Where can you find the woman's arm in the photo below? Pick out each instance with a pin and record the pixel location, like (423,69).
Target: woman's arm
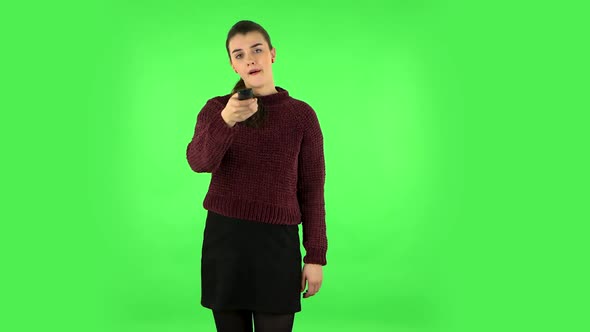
(212,137)
(310,191)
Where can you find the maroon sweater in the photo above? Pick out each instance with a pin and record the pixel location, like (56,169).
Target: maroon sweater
(273,174)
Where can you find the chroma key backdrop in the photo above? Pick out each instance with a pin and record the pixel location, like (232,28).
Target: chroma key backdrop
(455,161)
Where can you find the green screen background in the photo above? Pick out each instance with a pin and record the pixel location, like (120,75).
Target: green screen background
(456,160)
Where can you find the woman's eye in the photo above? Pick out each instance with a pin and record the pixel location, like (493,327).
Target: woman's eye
(258,49)
(238,56)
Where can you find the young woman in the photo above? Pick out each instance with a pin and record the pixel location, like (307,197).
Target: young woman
(266,158)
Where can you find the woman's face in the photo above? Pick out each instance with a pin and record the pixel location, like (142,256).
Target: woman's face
(250,53)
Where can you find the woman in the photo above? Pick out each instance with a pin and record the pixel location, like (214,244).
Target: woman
(267,163)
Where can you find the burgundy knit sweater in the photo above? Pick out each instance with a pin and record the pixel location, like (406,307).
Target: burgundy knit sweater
(273,174)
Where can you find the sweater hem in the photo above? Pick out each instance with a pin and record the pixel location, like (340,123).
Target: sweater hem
(252,210)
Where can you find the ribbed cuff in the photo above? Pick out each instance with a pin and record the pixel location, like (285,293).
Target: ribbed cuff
(315,256)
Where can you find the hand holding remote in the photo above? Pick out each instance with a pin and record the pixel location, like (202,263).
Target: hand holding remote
(238,110)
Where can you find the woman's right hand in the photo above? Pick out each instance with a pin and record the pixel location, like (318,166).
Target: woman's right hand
(238,110)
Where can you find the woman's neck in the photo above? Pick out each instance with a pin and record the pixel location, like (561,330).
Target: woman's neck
(265,90)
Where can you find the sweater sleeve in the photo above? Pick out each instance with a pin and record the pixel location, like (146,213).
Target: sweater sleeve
(211,139)
(310,191)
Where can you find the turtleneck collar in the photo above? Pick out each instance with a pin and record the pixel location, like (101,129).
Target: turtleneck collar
(274,99)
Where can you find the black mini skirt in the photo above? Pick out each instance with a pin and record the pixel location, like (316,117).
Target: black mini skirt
(250,265)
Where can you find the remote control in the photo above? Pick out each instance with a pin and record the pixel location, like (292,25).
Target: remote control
(245,94)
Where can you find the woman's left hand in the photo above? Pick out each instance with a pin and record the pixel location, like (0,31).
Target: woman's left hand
(313,274)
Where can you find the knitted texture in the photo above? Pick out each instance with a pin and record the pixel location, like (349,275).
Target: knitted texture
(273,174)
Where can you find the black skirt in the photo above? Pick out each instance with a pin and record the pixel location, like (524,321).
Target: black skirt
(250,265)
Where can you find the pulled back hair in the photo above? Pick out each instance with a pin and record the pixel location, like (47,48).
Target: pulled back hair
(243,27)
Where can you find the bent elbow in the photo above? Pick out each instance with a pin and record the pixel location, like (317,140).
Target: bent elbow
(199,166)
(195,159)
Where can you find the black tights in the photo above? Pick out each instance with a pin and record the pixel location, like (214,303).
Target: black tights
(241,321)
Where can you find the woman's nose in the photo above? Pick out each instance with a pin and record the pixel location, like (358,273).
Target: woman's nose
(249,59)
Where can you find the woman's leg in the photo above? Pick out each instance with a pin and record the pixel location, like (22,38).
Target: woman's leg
(270,322)
(233,321)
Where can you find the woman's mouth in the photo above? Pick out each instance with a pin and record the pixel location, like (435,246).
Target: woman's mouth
(256,72)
